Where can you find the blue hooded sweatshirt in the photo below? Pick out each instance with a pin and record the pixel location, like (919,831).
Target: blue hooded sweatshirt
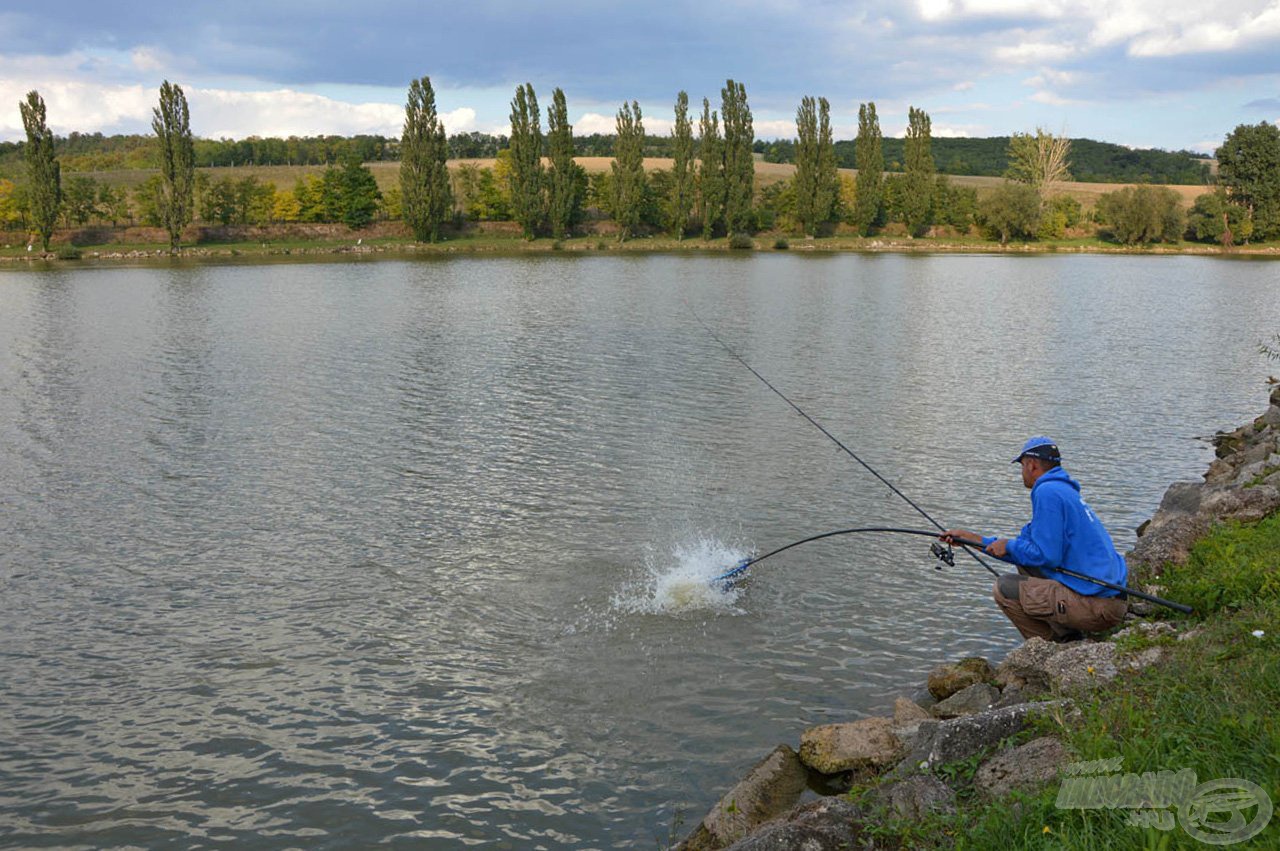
(1065,533)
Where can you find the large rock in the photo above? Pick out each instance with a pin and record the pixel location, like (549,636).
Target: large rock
(830,824)
(1024,767)
(917,796)
(863,745)
(946,680)
(907,712)
(771,788)
(968,701)
(1168,542)
(1247,505)
(1044,666)
(960,738)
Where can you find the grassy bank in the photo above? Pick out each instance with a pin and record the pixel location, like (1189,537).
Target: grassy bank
(269,243)
(1210,707)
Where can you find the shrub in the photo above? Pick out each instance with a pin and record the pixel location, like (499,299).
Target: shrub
(781,244)
(741,242)
(1142,215)
(1012,211)
(67,252)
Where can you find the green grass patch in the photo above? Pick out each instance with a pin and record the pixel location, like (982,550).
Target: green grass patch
(1232,567)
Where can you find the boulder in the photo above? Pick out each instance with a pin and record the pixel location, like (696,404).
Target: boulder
(907,712)
(1179,498)
(1170,541)
(1247,505)
(946,680)
(1025,767)
(771,788)
(1011,696)
(863,745)
(1044,666)
(917,796)
(968,701)
(960,738)
(828,824)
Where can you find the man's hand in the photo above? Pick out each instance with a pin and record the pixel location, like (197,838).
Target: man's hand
(961,536)
(999,547)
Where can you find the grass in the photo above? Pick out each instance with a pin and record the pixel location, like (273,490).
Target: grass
(1209,707)
(385,238)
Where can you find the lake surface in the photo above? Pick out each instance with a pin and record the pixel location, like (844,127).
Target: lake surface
(414,553)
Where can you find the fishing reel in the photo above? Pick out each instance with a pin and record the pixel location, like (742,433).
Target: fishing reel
(946,555)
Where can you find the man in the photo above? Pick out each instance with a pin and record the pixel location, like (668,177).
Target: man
(1064,533)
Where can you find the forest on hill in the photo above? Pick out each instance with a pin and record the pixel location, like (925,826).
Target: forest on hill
(1091,161)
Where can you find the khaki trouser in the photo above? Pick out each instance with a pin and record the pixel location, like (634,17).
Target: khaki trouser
(1050,610)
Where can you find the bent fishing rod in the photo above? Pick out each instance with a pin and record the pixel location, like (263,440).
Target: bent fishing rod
(943,554)
(740,359)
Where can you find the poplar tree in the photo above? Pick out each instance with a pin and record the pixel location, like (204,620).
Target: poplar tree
(869,154)
(564,193)
(917,185)
(44,175)
(710,170)
(526,160)
(816,183)
(739,162)
(425,191)
(171,122)
(628,170)
(680,204)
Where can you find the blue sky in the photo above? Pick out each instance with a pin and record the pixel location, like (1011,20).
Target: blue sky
(1174,75)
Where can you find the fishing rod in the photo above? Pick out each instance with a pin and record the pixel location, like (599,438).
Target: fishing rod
(831,436)
(943,554)
(727,579)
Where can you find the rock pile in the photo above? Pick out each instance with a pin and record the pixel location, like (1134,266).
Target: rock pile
(978,708)
(1242,483)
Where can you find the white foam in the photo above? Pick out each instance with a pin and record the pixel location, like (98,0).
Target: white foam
(680,581)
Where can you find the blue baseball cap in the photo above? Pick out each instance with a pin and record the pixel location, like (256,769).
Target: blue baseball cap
(1040,447)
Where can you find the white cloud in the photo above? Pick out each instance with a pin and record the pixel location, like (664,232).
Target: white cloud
(594,122)
(777,129)
(1028,52)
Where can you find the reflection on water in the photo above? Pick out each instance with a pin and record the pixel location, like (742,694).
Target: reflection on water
(350,553)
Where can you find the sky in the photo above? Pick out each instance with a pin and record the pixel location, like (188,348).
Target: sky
(1174,74)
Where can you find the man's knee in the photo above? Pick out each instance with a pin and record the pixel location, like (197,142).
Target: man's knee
(1007,585)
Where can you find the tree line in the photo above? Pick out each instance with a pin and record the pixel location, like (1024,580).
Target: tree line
(709,190)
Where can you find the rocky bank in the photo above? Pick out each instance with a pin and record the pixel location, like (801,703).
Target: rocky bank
(971,708)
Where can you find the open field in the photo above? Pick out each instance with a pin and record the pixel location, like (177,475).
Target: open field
(387,175)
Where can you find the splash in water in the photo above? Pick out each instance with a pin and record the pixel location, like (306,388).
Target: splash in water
(680,581)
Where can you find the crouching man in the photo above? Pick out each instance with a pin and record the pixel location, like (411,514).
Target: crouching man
(1064,533)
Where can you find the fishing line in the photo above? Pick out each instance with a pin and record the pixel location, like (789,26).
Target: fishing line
(829,435)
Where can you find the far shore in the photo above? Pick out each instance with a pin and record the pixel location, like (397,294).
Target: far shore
(260,244)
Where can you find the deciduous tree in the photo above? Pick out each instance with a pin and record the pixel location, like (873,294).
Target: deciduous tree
(816,184)
(526,161)
(44,177)
(869,154)
(1249,168)
(739,160)
(425,192)
(171,122)
(680,201)
(917,184)
(1039,159)
(629,183)
(564,192)
(711,177)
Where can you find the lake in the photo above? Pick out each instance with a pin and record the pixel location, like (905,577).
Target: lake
(415,553)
